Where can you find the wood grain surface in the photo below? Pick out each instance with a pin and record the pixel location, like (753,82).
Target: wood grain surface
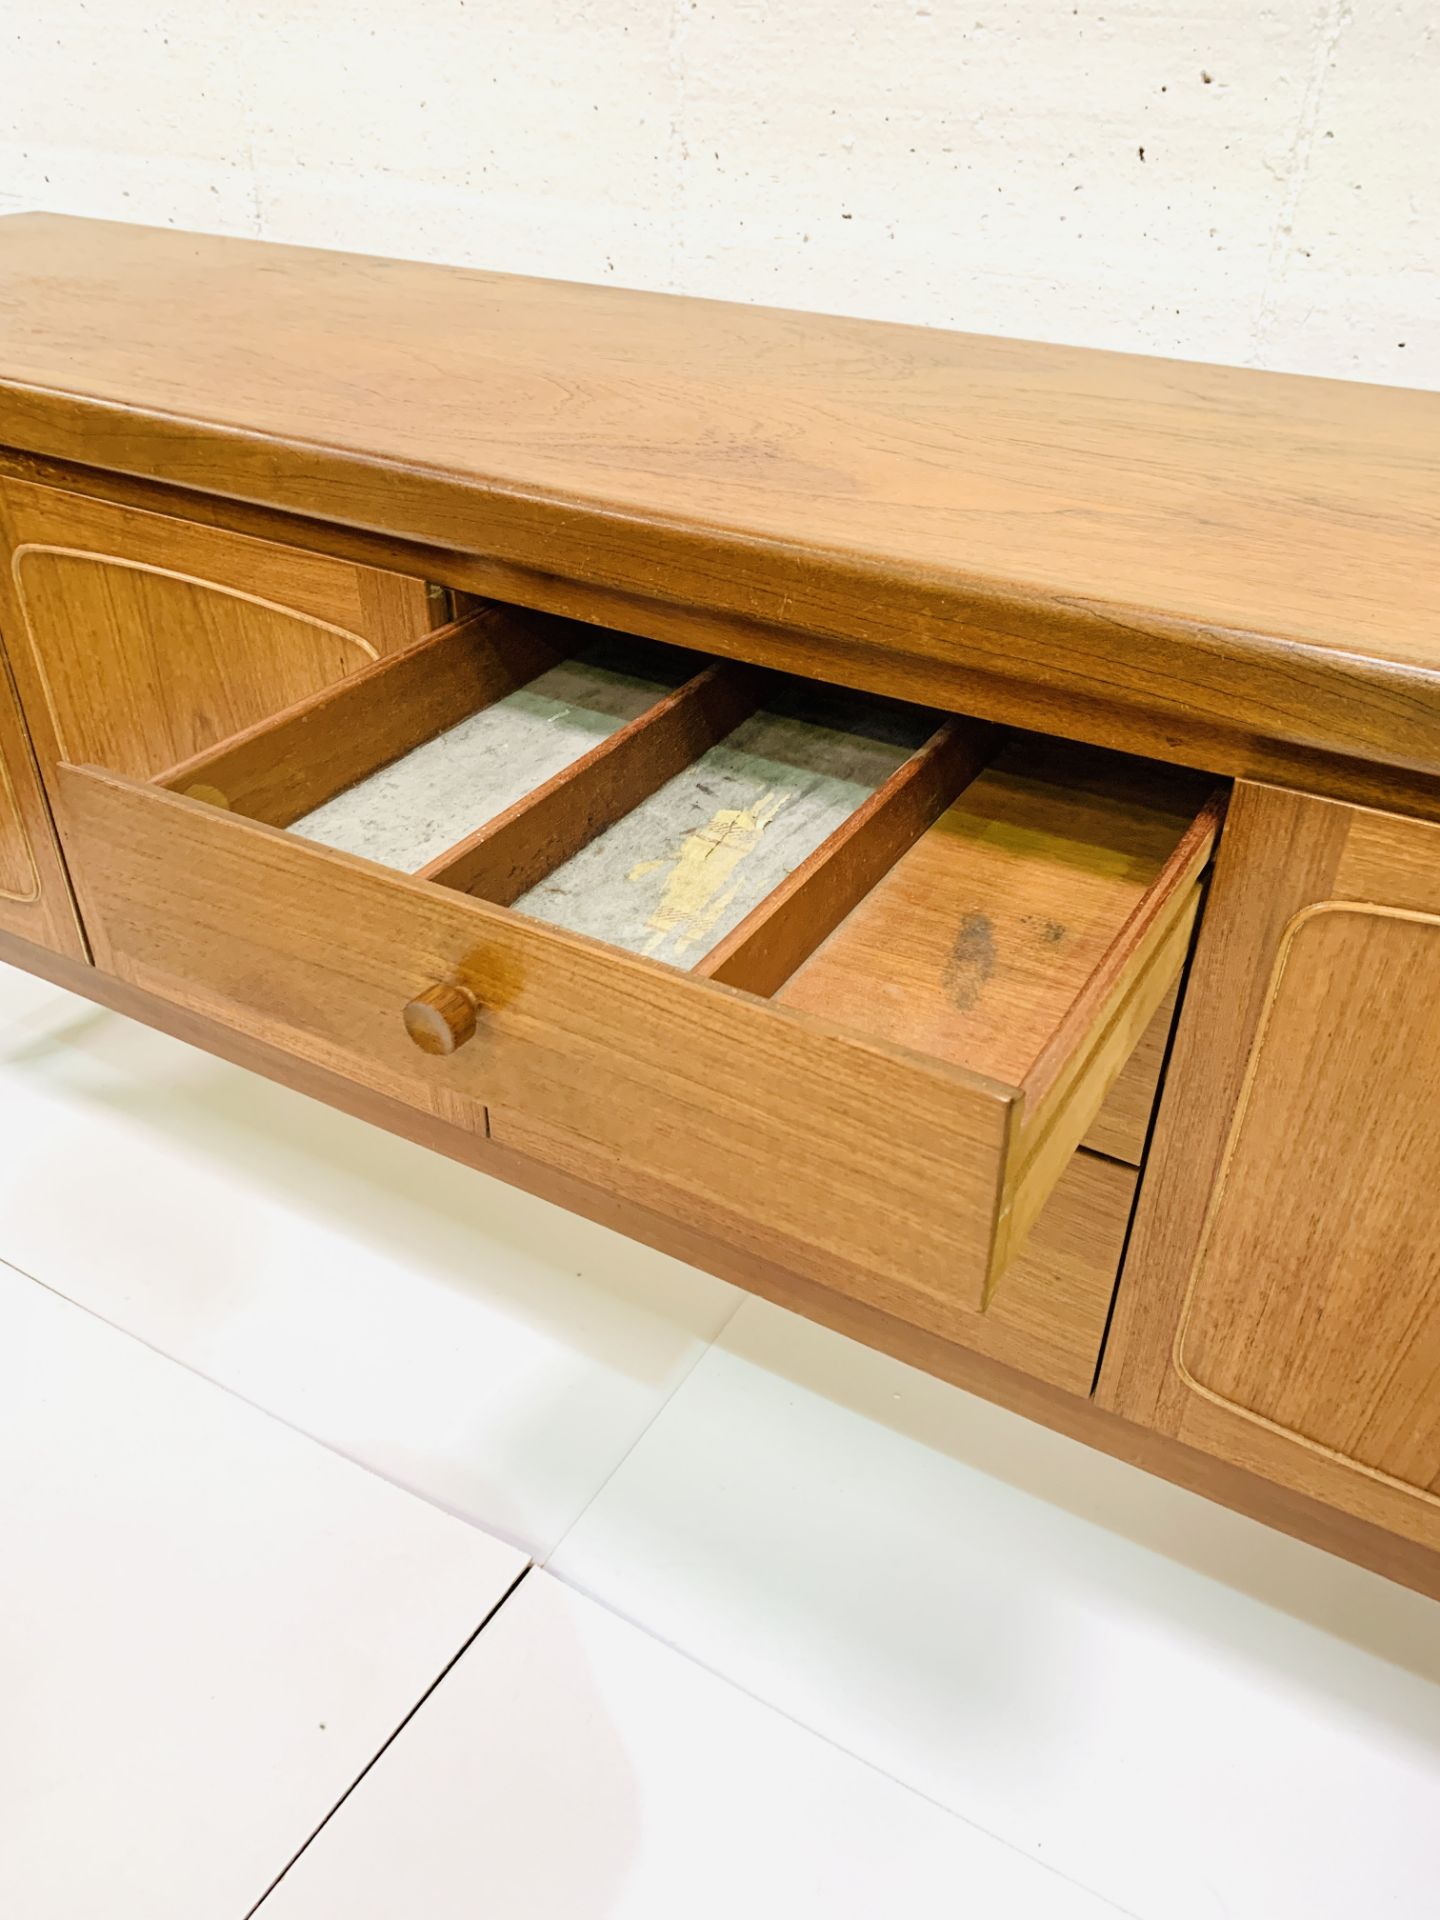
(35,899)
(284,767)
(1031,932)
(1228,554)
(1281,1305)
(825,1151)
(1049,1317)
(1123,1122)
(1316,1297)
(976,943)
(1213,736)
(138,640)
(791,922)
(903,1175)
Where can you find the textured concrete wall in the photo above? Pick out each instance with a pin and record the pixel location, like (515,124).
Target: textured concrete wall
(1220,179)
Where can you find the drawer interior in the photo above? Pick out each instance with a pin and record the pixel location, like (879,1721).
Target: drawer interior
(978,940)
(681,871)
(417,807)
(1014,907)
(689,810)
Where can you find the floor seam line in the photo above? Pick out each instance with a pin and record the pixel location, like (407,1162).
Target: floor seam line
(465,1519)
(392,1737)
(706,1350)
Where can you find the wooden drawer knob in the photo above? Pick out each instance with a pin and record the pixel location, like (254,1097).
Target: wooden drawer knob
(441,1019)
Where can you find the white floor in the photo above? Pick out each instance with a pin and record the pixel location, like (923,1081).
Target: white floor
(208,1625)
(815,1634)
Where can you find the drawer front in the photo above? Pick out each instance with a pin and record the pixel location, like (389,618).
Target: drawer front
(850,986)
(850,1162)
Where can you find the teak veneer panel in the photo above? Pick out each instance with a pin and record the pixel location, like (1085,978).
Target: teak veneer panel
(35,901)
(1244,559)
(138,641)
(1324,1245)
(873,1170)
(1123,1122)
(978,940)
(1049,1316)
(1281,1305)
(281,769)
(771,942)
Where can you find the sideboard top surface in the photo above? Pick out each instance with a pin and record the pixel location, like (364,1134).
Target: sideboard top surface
(1218,545)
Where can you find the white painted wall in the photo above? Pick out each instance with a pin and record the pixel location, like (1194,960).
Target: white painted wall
(1240,180)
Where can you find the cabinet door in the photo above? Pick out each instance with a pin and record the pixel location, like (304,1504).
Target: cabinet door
(35,898)
(1281,1303)
(138,639)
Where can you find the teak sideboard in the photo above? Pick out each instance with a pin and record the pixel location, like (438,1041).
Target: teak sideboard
(941,831)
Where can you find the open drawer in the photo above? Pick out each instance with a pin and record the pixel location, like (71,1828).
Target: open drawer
(846,980)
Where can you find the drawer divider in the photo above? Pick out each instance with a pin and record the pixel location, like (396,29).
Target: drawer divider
(284,768)
(517,849)
(791,922)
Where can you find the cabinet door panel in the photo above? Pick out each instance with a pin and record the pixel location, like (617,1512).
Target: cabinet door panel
(35,898)
(1324,1243)
(138,640)
(1281,1304)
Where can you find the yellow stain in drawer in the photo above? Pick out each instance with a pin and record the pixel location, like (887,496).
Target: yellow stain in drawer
(701,884)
